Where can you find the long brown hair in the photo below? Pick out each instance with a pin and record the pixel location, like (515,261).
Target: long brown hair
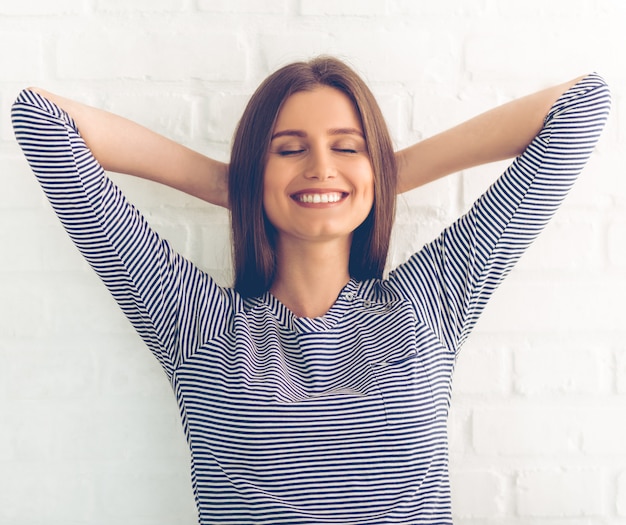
(252,233)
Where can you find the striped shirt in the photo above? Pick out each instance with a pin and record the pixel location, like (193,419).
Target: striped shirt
(339,419)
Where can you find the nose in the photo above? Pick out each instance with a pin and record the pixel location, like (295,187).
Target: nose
(320,166)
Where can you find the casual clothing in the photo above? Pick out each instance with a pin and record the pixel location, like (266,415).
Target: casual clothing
(336,419)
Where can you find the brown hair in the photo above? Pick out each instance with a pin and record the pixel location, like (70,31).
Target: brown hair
(253,235)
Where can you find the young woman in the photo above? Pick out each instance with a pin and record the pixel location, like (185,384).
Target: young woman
(316,390)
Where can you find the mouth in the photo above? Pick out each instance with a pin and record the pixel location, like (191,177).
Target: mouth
(330,197)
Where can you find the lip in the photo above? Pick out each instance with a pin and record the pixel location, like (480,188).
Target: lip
(317,197)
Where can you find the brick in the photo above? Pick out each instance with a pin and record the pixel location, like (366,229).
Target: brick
(7,442)
(616,130)
(158,56)
(346,7)
(37,369)
(459,429)
(120,6)
(20,189)
(549,430)
(526,431)
(137,431)
(560,492)
(46,492)
(536,9)
(549,304)
(552,521)
(35,428)
(604,430)
(410,58)
(157,492)
(377,54)
(438,106)
(563,367)
(620,371)
(25,66)
(7,97)
(170,115)
(19,235)
(523,59)
(64,300)
(621,494)
(22,308)
(395,108)
(617,242)
(481,369)
(478,493)
(37,242)
(445,9)
(41,7)
(219,115)
(244,6)
(303,44)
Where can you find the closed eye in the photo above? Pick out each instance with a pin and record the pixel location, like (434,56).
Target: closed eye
(288,152)
(346,150)
(349,146)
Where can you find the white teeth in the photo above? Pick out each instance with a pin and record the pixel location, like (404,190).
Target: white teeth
(317,198)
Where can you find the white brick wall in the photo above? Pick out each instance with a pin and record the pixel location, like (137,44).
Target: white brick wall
(89,431)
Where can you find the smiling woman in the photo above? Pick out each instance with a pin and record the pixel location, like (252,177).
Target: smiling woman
(279,105)
(313,156)
(318,189)
(316,391)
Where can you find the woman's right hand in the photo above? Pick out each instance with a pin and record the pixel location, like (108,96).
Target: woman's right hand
(123,146)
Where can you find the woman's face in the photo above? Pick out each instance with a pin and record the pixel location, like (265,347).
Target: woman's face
(318,182)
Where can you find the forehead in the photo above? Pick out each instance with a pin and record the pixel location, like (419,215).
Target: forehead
(322,108)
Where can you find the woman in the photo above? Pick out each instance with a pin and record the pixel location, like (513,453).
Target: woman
(315,391)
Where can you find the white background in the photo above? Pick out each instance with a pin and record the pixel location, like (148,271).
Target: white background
(89,430)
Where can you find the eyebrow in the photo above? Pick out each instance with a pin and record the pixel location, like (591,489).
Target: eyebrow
(302,134)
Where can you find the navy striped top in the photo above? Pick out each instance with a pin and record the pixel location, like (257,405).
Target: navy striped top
(335,419)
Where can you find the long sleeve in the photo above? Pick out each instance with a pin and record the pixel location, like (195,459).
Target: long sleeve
(451,279)
(173,306)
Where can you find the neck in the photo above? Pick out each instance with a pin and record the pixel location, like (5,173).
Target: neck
(310,276)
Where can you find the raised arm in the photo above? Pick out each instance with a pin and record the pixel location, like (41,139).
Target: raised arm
(451,279)
(122,146)
(160,291)
(501,133)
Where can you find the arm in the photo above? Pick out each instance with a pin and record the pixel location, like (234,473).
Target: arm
(451,279)
(498,134)
(173,305)
(122,146)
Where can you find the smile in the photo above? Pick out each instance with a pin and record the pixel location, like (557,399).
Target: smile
(318,198)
